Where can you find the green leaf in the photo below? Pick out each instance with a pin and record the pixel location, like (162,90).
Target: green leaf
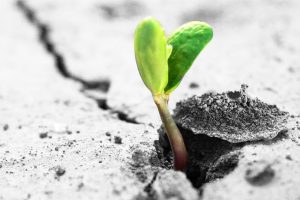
(169,50)
(187,42)
(151,54)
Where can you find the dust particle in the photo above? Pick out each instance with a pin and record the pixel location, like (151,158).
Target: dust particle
(194,85)
(118,140)
(288,157)
(5,127)
(80,185)
(43,135)
(59,171)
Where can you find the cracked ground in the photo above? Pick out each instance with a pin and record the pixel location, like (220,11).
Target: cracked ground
(76,121)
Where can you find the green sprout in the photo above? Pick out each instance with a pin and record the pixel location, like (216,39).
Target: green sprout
(162,62)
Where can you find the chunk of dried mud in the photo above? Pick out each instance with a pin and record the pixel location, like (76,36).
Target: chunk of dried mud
(260,175)
(5,127)
(118,140)
(43,135)
(59,171)
(231,116)
(173,185)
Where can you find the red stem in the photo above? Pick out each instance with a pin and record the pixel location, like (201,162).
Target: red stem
(173,133)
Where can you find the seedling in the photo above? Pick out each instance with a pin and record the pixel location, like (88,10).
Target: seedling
(162,62)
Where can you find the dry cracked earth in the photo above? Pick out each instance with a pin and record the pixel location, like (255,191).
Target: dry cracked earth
(76,121)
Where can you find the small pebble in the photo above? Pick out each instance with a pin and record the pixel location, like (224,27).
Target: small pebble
(43,135)
(118,140)
(194,85)
(80,185)
(288,157)
(5,127)
(59,171)
(260,177)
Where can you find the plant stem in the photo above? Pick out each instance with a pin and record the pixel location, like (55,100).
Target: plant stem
(173,133)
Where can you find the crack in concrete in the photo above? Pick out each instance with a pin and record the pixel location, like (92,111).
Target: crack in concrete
(45,39)
(102,104)
(44,31)
(151,194)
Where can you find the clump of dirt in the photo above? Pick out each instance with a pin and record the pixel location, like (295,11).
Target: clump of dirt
(194,85)
(118,140)
(43,135)
(5,127)
(260,176)
(171,185)
(231,116)
(59,171)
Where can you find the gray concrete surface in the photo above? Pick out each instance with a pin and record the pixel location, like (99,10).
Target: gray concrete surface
(55,141)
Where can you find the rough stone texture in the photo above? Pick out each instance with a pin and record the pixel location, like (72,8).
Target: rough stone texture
(173,185)
(268,163)
(231,116)
(72,75)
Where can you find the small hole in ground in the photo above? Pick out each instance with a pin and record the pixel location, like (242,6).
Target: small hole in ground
(209,158)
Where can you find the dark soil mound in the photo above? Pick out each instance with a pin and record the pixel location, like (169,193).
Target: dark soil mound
(231,116)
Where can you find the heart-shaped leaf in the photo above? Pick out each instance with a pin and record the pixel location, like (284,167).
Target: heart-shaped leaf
(187,42)
(151,54)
